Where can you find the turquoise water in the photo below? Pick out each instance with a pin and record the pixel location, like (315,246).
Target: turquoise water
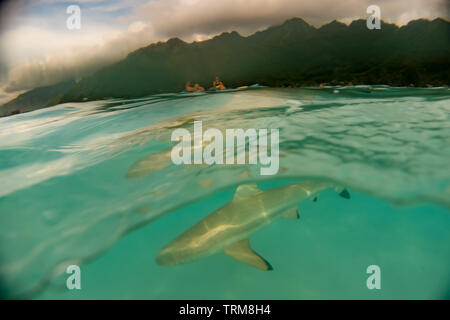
(91,184)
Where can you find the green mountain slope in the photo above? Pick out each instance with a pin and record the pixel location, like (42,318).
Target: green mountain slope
(37,98)
(293,53)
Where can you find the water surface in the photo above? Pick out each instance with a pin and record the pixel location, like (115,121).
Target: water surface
(92,184)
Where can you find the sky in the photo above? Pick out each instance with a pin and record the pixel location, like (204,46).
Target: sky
(37,48)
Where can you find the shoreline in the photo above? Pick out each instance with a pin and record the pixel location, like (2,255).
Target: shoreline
(325,85)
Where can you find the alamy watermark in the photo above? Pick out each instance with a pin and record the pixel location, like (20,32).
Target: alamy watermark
(208,147)
(374,18)
(74,280)
(374,280)
(73,22)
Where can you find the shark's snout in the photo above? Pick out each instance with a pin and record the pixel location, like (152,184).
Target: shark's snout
(173,255)
(164,258)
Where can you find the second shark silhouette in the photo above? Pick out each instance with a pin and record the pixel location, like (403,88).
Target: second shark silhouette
(227,229)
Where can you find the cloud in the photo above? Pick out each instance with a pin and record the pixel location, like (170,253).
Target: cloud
(38,50)
(37,56)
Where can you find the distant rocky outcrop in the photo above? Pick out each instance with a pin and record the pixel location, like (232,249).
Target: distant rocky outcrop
(37,98)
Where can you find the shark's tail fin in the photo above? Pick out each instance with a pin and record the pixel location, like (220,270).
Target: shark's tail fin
(343,192)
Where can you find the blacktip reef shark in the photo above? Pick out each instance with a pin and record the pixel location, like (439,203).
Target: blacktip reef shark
(228,228)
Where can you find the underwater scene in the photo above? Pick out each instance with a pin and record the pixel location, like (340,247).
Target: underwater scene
(362,180)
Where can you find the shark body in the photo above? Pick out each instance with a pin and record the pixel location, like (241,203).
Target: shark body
(227,229)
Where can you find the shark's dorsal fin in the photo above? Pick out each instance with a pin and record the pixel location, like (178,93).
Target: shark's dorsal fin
(292,213)
(242,252)
(246,190)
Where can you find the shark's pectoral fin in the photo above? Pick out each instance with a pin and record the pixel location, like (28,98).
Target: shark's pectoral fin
(242,252)
(292,213)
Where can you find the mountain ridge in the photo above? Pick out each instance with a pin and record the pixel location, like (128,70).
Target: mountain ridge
(292,53)
(37,98)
